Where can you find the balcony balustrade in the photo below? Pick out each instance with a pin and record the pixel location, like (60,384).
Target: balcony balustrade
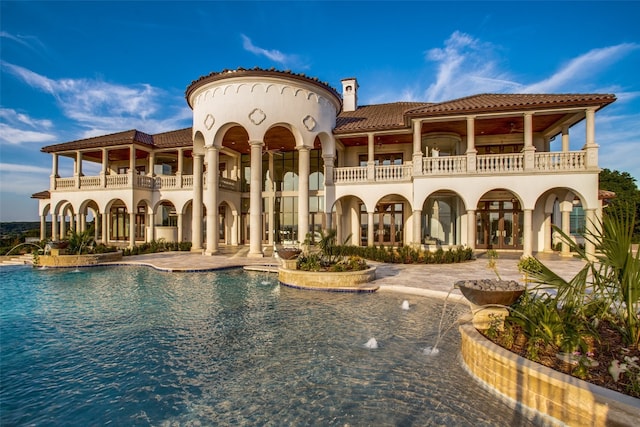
(393,172)
(448,165)
(500,163)
(486,164)
(122,181)
(489,164)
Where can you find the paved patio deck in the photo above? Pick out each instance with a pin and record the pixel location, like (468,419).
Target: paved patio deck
(423,279)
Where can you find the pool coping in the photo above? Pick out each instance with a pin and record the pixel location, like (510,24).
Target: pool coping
(567,399)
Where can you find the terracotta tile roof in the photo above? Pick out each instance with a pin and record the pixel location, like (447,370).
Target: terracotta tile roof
(257,72)
(606,194)
(119,138)
(175,138)
(41,195)
(375,117)
(511,102)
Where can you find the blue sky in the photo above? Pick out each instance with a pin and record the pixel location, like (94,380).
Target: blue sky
(71,70)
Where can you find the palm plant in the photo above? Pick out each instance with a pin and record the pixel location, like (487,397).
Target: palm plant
(79,241)
(607,286)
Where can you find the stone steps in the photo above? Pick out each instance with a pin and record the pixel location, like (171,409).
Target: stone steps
(18,260)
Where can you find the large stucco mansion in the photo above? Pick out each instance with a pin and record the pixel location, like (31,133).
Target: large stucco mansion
(273,156)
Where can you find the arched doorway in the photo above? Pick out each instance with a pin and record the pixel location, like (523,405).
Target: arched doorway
(499,221)
(388,220)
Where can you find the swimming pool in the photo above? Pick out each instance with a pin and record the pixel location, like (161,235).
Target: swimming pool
(134,346)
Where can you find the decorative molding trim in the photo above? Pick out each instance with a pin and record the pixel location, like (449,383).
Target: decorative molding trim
(257,116)
(309,122)
(209,121)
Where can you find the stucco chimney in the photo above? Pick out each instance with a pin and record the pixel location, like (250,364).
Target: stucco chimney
(349,94)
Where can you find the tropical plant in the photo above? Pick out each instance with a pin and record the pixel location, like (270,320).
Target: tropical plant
(80,241)
(608,286)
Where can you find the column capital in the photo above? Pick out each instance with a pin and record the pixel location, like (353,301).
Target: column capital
(303,148)
(254,143)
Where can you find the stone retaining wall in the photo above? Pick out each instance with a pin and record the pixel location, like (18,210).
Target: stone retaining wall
(326,280)
(77,260)
(568,399)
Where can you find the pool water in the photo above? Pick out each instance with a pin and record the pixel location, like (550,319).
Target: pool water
(134,346)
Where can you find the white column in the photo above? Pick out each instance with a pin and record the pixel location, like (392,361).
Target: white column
(529,149)
(234,229)
(417,147)
(565,139)
(96,226)
(132,159)
(43,227)
(565,208)
(370,234)
(105,227)
(417,226)
(303,192)
(471,144)
(105,167)
(547,232)
(54,171)
(180,228)
(591,147)
(54,227)
(78,168)
(179,172)
(589,247)
(63,225)
(152,226)
(527,247)
(152,162)
(213,226)
(196,208)
(132,229)
(370,157)
(471,229)
(255,201)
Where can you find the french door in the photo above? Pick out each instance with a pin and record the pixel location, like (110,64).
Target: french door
(499,225)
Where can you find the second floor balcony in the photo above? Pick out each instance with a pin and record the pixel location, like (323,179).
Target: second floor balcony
(489,164)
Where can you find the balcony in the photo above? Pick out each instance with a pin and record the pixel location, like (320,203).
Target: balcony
(489,164)
(126,181)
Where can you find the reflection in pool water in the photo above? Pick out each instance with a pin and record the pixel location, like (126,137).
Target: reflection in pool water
(133,346)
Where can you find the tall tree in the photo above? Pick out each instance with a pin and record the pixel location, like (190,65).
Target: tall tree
(627,193)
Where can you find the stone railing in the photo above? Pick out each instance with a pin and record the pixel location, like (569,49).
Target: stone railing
(144,181)
(166,181)
(350,174)
(486,164)
(64,183)
(89,182)
(560,161)
(393,172)
(187,181)
(446,165)
(500,163)
(117,181)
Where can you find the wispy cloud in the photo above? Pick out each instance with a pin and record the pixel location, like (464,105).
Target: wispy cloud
(464,65)
(286,60)
(30,42)
(18,128)
(581,68)
(12,167)
(103,107)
